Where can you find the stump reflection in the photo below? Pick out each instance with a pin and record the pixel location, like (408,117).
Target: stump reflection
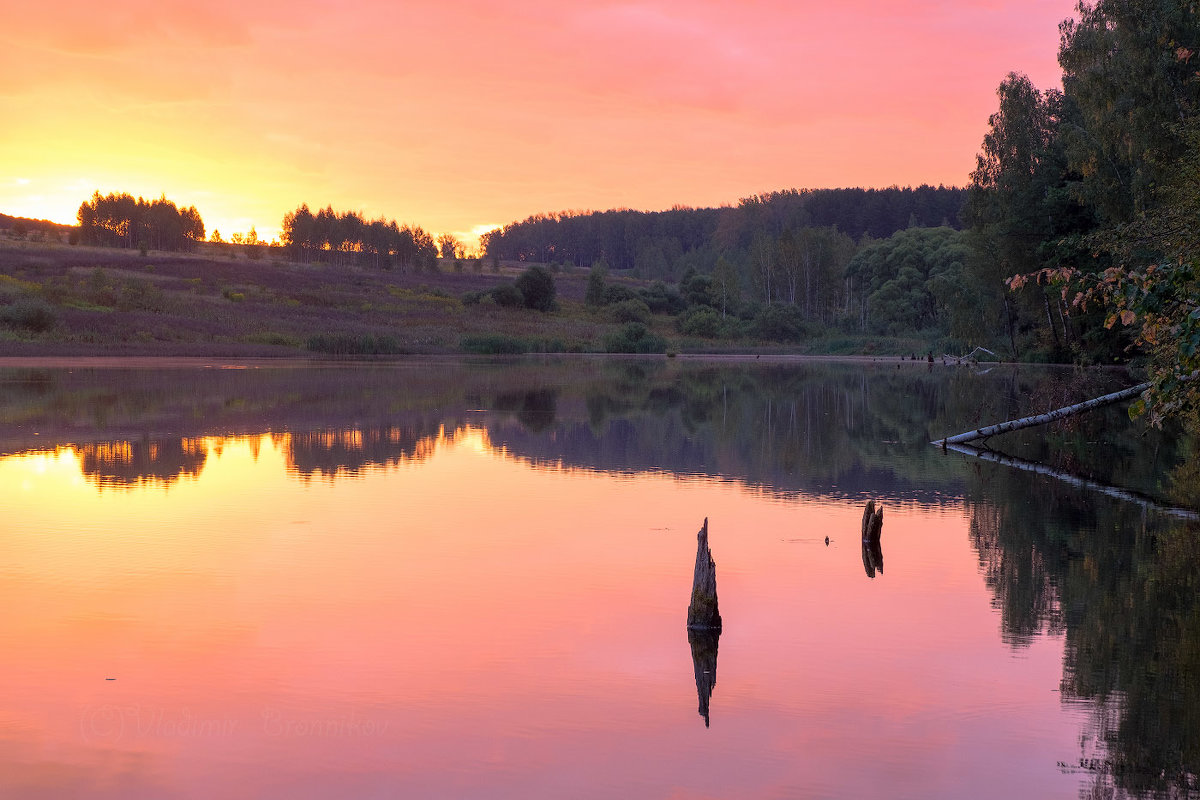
(704,661)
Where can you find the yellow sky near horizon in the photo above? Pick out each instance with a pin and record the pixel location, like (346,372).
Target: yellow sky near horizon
(460,116)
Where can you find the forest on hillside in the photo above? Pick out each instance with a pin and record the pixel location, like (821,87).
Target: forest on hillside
(656,243)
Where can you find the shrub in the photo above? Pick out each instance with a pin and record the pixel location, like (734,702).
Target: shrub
(634,338)
(537,289)
(596,285)
(32,315)
(618,294)
(630,311)
(345,344)
(781,323)
(274,338)
(697,289)
(507,295)
(700,321)
(494,344)
(662,300)
(138,295)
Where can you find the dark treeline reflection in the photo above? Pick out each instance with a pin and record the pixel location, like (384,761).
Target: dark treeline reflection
(1121,584)
(349,451)
(308,453)
(131,463)
(843,430)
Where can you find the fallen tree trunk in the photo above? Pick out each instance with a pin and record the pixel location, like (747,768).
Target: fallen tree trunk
(1074,480)
(1042,419)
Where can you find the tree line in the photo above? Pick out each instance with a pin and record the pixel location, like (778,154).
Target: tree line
(663,244)
(348,238)
(120,220)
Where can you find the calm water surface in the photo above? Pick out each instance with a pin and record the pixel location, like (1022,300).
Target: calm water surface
(451,580)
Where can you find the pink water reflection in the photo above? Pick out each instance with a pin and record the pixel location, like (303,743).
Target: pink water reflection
(464,625)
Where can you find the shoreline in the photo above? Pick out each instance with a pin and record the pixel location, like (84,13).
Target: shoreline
(189,360)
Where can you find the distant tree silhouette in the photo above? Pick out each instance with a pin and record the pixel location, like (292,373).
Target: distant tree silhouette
(449,246)
(120,220)
(347,238)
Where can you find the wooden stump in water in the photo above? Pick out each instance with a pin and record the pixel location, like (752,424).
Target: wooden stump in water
(703,614)
(872,524)
(872,530)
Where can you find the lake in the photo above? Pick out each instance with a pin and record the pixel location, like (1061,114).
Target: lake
(442,578)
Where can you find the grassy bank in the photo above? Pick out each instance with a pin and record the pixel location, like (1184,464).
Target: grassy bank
(57,299)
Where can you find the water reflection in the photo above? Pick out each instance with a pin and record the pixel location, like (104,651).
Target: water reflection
(872,533)
(1115,584)
(704,661)
(347,452)
(872,556)
(131,463)
(1121,584)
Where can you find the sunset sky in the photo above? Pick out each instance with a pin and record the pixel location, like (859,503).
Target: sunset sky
(460,116)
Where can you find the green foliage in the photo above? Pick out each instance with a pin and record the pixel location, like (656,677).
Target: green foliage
(493,344)
(29,314)
(507,295)
(696,289)
(634,337)
(781,323)
(701,321)
(656,257)
(914,280)
(808,266)
(14,288)
(630,311)
(1129,71)
(661,299)
(597,285)
(344,344)
(663,244)
(618,294)
(139,295)
(275,339)
(1093,190)
(537,289)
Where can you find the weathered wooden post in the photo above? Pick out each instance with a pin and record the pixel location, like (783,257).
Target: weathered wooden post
(872,530)
(703,614)
(704,622)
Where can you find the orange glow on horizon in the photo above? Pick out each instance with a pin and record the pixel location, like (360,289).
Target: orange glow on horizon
(456,116)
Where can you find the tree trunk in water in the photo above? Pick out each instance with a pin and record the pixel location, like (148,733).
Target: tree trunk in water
(703,614)
(1042,419)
